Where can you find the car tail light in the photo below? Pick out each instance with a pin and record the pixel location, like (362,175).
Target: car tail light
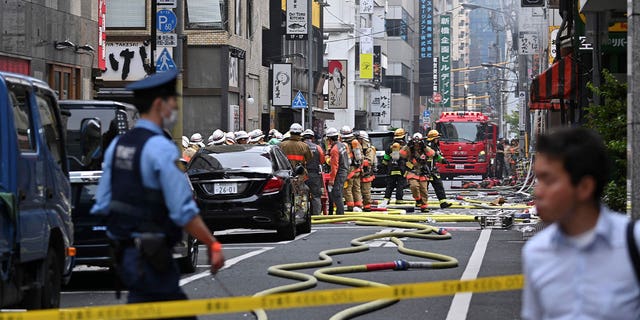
(273,185)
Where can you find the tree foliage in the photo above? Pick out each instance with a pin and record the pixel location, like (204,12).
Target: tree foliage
(610,120)
(513,120)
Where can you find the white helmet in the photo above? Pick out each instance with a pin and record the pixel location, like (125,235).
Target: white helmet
(210,140)
(417,136)
(295,128)
(241,135)
(196,138)
(256,135)
(230,137)
(364,136)
(308,133)
(218,137)
(346,132)
(332,132)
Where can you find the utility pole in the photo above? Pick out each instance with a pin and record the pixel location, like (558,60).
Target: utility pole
(154,37)
(309,65)
(178,57)
(633,111)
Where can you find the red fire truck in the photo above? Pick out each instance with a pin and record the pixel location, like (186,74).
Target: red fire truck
(468,140)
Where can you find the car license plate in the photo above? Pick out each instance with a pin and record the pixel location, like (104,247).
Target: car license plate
(459,166)
(225,188)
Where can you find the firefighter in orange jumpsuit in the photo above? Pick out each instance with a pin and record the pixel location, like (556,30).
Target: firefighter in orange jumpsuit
(352,194)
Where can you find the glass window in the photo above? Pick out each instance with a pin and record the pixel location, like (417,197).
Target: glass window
(461,131)
(49,128)
(238,17)
(126,14)
(19,96)
(206,14)
(251,160)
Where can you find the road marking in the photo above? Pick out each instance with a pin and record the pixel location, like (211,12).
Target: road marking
(297,238)
(461,301)
(93,292)
(227,265)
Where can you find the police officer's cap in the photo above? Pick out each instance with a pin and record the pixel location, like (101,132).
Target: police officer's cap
(155,86)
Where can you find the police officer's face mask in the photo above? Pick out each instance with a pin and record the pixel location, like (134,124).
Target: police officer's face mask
(169,122)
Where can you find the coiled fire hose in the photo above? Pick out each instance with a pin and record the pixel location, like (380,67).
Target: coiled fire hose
(421,231)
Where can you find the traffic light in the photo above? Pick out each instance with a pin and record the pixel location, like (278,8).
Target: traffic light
(532,3)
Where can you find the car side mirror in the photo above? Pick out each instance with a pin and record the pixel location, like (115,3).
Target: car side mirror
(90,140)
(299,170)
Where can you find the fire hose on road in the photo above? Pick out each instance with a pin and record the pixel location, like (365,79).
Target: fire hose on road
(330,274)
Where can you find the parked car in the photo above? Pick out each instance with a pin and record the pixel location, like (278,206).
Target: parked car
(250,186)
(381,140)
(91,126)
(36,231)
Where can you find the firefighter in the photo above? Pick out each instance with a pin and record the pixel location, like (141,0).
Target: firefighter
(418,171)
(297,151)
(394,160)
(433,142)
(369,163)
(339,162)
(352,194)
(218,138)
(314,172)
(242,137)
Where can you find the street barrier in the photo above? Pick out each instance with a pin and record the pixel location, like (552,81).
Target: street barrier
(159,310)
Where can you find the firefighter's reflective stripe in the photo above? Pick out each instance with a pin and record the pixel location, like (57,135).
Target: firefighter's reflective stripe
(295,157)
(368,179)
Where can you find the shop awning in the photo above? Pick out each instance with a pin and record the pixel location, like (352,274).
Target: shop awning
(556,83)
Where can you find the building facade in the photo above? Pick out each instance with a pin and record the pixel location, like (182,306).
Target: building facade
(55,41)
(218,50)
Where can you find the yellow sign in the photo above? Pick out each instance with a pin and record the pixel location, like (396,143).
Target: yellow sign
(366,66)
(172,309)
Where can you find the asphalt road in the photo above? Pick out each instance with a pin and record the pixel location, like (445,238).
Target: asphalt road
(250,252)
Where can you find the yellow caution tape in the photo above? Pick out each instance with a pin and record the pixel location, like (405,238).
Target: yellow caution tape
(157,310)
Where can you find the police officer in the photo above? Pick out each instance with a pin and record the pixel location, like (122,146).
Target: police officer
(368,164)
(339,162)
(352,194)
(297,151)
(433,142)
(314,172)
(147,198)
(394,159)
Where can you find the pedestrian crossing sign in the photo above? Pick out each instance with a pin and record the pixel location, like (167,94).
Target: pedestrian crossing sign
(165,62)
(299,102)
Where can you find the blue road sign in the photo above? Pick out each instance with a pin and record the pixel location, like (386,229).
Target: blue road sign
(165,62)
(299,102)
(426,114)
(167,20)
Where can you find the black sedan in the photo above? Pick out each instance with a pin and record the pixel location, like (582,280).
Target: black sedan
(250,186)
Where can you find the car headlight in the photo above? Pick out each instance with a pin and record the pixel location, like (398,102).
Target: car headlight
(482,156)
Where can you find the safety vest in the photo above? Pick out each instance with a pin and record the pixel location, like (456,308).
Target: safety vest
(134,207)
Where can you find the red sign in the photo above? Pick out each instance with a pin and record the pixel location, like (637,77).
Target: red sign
(15,65)
(102,35)
(437,97)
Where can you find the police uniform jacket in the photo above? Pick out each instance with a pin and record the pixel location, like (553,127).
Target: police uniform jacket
(159,171)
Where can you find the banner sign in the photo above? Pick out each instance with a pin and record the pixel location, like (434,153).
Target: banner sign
(366,66)
(445,60)
(426,47)
(377,64)
(338,84)
(297,20)
(366,40)
(385,107)
(366,6)
(281,86)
